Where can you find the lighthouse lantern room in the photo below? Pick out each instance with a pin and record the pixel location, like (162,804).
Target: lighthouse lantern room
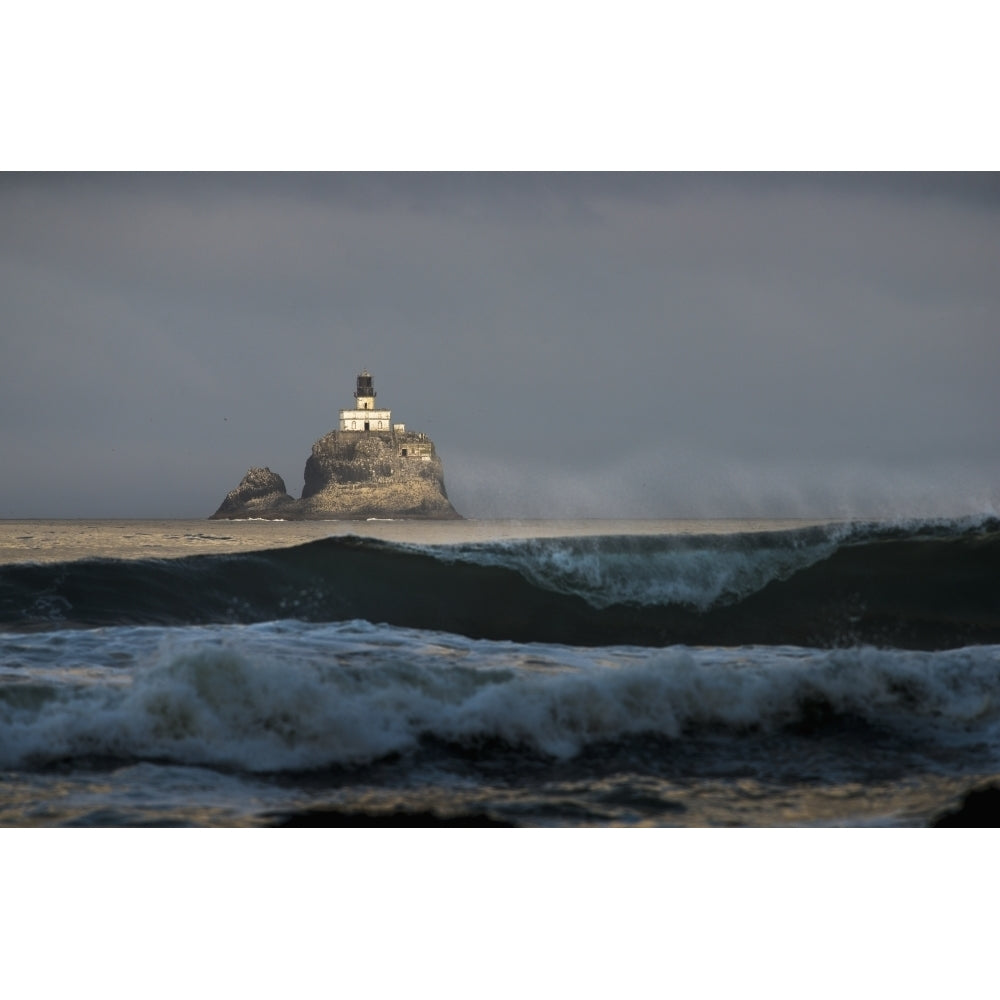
(364,416)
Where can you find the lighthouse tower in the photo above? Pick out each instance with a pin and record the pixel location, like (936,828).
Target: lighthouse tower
(364,416)
(365,392)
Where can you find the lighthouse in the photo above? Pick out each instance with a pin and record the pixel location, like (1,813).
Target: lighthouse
(368,468)
(364,416)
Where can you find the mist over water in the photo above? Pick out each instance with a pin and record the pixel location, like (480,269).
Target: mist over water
(682,485)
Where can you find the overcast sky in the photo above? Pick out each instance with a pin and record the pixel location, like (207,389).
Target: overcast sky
(623,345)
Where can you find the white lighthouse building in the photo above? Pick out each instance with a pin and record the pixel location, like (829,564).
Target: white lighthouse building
(364,416)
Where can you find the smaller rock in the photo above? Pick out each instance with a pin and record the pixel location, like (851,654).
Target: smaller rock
(261,493)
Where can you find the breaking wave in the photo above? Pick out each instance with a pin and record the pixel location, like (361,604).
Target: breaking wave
(292,696)
(924,585)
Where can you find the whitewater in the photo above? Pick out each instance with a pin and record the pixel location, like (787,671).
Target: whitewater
(497,673)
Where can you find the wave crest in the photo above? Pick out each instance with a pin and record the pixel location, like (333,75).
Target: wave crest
(932,585)
(296,697)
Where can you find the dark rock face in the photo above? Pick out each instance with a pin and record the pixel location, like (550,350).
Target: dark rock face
(261,493)
(343,457)
(980,807)
(352,475)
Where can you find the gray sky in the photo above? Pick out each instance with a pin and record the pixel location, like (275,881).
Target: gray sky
(636,345)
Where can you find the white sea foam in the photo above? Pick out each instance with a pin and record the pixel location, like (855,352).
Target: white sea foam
(604,571)
(698,570)
(292,696)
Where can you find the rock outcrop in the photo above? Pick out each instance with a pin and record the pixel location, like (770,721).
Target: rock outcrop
(979,807)
(261,493)
(351,475)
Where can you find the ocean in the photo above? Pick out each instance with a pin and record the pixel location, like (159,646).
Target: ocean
(497,673)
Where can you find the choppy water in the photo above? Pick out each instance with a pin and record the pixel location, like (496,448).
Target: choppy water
(497,673)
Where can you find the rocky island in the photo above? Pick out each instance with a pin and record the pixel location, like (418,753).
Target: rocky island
(369,467)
